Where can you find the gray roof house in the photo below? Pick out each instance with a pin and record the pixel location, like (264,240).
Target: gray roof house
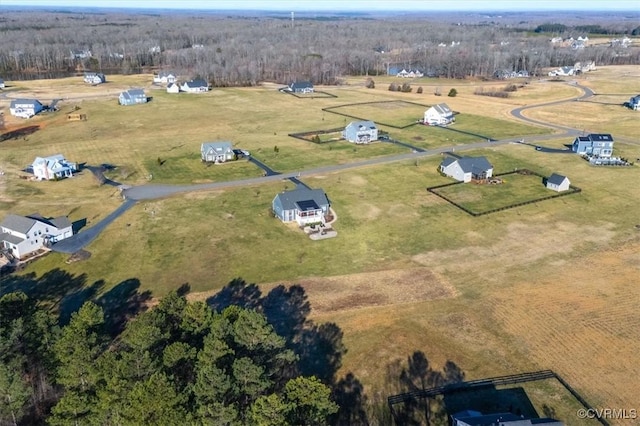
(132,97)
(301,87)
(361,132)
(53,167)
(217,152)
(165,77)
(301,205)
(195,86)
(465,169)
(94,78)
(25,108)
(595,144)
(439,115)
(558,182)
(634,101)
(22,235)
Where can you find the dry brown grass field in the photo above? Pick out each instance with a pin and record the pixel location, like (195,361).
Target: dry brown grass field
(551,285)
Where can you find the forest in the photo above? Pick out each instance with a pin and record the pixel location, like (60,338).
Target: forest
(246,50)
(72,355)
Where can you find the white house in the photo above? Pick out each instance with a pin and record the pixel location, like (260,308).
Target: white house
(217,152)
(132,97)
(24,235)
(634,102)
(165,77)
(195,86)
(94,78)
(1,83)
(558,182)
(301,87)
(25,108)
(173,88)
(360,132)
(465,169)
(439,115)
(53,167)
(301,205)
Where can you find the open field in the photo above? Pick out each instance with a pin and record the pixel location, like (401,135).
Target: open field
(547,285)
(387,113)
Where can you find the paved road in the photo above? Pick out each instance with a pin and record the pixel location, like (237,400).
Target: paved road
(150,192)
(82,239)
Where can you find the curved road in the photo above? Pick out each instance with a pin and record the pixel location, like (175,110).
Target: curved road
(149,192)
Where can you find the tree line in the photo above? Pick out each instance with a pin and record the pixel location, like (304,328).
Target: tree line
(73,353)
(246,50)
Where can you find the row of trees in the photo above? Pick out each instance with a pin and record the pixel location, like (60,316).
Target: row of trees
(246,50)
(71,353)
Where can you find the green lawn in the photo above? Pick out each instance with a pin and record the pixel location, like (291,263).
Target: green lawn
(388,113)
(515,188)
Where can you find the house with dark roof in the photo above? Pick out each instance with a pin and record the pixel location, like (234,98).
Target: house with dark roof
(634,102)
(439,115)
(25,108)
(94,78)
(164,77)
(301,205)
(595,144)
(558,183)
(53,167)
(217,152)
(22,235)
(360,132)
(476,418)
(195,86)
(132,97)
(301,87)
(466,169)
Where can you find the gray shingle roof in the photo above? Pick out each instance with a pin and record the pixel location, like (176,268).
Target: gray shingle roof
(219,147)
(556,179)
(291,199)
(301,85)
(358,124)
(474,164)
(18,223)
(13,239)
(196,83)
(443,109)
(23,101)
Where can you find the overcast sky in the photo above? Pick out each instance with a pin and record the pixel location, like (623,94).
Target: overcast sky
(313,5)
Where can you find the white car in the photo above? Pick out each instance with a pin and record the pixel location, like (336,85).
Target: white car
(246,153)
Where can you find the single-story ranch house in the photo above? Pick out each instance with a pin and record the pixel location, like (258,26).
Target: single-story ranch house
(301,205)
(301,87)
(25,108)
(195,86)
(439,115)
(466,169)
(558,182)
(361,132)
(132,97)
(23,235)
(165,77)
(94,78)
(53,167)
(217,152)
(595,144)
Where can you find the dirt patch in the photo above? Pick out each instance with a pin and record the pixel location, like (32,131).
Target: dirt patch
(356,291)
(369,289)
(78,256)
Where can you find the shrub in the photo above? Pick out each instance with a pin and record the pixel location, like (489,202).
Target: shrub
(510,88)
(452,93)
(406,88)
(419,90)
(370,84)
(393,87)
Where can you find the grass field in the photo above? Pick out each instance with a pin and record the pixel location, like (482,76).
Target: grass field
(547,285)
(387,113)
(481,198)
